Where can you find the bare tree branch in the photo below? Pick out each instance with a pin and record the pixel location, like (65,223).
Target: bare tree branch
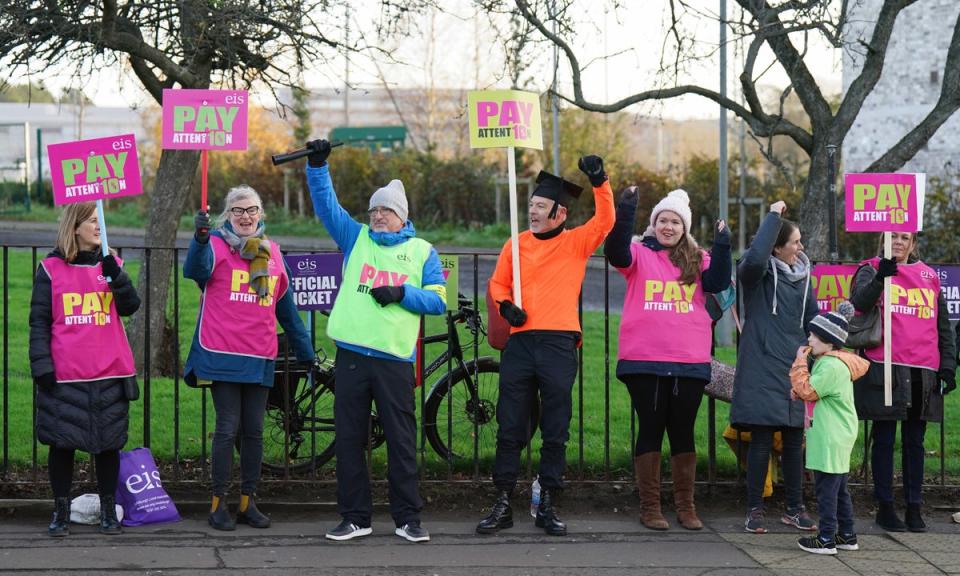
(865,82)
(947,104)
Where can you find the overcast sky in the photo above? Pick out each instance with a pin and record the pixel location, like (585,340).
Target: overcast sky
(457,49)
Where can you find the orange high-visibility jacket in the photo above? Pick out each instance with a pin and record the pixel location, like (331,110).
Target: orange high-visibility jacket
(551,271)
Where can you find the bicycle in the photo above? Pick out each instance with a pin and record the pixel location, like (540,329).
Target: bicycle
(459,416)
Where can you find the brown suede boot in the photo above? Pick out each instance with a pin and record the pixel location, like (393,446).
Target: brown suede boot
(646,470)
(684,471)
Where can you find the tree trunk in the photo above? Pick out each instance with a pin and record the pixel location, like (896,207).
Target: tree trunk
(170,194)
(814,217)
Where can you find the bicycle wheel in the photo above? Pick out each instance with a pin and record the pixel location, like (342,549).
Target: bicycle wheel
(305,439)
(469,417)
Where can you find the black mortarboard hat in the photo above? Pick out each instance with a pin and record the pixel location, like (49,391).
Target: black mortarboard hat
(556,188)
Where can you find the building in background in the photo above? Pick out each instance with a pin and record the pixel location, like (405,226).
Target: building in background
(908,88)
(56,123)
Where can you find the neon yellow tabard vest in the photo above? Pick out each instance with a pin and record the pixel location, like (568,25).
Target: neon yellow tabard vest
(356,318)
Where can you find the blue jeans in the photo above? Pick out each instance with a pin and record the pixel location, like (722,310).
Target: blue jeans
(834,504)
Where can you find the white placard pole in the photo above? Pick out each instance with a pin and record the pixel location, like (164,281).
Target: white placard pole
(514,228)
(104,245)
(887,355)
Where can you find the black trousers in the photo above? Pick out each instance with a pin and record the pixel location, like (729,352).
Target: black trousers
(758,457)
(665,404)
(544,361)
(60,469)
(240,409)
(912,432)
(834,505)
(361,380)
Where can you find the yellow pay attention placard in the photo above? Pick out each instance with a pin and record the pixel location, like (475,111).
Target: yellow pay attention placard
(501,118)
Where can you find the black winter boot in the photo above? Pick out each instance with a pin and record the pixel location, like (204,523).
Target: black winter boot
(219,518)
(249,514)
(108,516)
(60,525)
(915,522)
(500,516)
(887,518)
(547,516)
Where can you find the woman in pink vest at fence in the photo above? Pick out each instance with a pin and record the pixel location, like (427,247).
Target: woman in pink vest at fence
(924,370)
(667,277)
(243,279)
(81,361)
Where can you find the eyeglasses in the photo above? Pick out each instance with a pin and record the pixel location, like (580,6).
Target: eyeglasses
(250,210)
(380,210)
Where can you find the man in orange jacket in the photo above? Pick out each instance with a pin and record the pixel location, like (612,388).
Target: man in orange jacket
(541,353)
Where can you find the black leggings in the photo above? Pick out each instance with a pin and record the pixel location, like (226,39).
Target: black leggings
(665,404)
(60,468)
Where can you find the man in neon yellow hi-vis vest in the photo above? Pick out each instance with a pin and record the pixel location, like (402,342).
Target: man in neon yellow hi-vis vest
(390,278)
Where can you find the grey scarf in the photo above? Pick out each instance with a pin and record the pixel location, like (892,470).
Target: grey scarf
(799,271)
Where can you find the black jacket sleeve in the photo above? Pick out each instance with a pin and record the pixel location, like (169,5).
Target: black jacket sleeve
(617,246)
(41,325)
(866,289)
(945,337)
(125,294)
(716,278)
(756,259)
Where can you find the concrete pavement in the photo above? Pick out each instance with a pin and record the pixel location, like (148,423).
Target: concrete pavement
(598,544)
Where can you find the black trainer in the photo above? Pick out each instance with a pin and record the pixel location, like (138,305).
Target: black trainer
(252,516)
(846,542)
(500,516)
(817,545)
(547,516)
(347,530)
(60,524)
(413,532)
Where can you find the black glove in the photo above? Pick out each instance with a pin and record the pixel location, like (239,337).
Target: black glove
(628,197)
(592,166)
(886,268)
(319,150)
(721,236)
(948,378)
(201,227)
(387,294)
(514,316)
(110,267)
(45,381)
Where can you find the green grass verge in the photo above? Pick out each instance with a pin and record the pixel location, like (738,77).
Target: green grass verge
(177,411)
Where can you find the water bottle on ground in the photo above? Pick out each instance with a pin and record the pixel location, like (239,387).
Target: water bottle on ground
(535,496)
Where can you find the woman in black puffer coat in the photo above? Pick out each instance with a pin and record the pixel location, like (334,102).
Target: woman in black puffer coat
(81,361)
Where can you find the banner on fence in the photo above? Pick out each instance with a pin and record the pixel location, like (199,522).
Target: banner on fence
(315,279)
(204,119)
(832,284)
(884,202)
(451,273)
(503,118)
(94,169)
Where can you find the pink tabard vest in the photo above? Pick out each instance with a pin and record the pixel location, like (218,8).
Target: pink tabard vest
(663,320)
(233,320)
(913,297)
(87,338)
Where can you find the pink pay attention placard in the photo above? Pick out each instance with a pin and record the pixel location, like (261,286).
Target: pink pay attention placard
(204,119)
(96,169)
(884,202)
